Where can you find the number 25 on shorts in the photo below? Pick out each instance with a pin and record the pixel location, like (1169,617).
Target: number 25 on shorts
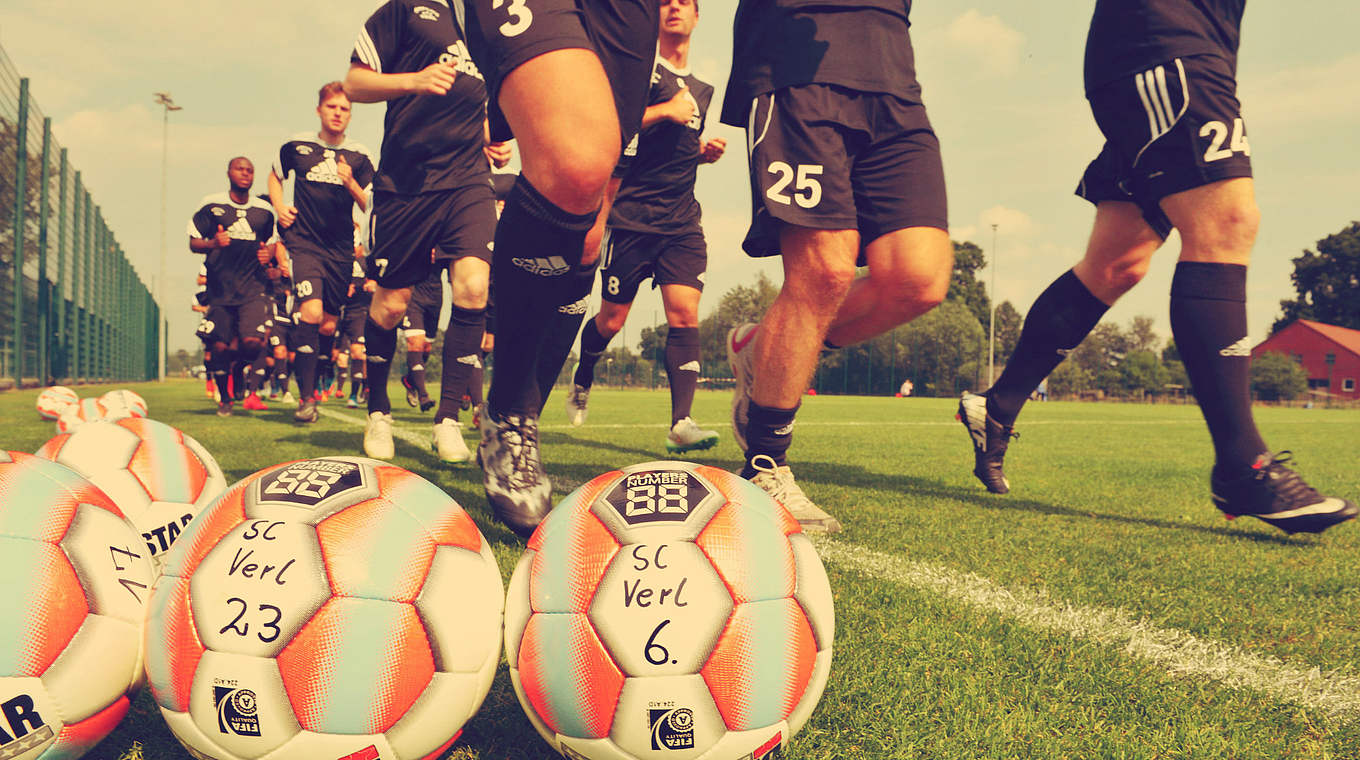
(807,191)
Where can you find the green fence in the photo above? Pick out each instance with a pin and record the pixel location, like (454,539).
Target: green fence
(72,309)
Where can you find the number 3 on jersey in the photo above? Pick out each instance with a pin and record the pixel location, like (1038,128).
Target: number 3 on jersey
(807,191)
(520,17)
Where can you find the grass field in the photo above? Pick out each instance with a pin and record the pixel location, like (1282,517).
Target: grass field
(1103,609)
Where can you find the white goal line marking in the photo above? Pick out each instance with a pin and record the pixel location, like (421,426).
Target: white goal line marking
(1182,654)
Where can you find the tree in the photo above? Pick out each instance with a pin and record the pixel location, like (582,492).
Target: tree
(1277,377)
(1142,337)
(938,346)
(1069,379)
(964,286)
(743,303)
(1326,282)
(1142,371)
(1008,324)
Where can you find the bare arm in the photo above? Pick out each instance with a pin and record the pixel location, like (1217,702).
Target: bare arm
(208,245)
(364,85)
(286,214)
(678,109)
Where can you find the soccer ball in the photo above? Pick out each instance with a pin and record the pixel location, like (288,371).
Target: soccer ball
(159,477)
(53,400)
(669,610)
(135,404)
(327,608)
(89,410)
(76,581)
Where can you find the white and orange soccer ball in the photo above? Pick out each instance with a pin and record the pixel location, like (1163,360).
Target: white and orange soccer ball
(669,610)
(89,410)
(327,608)
(133,402)
(54,400)
(159,477)
(76,581)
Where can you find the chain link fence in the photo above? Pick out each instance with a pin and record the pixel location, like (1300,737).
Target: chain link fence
(72,308)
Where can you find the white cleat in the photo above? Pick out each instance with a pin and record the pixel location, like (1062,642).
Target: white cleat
(288,398)
(577,396)
(741,359)
(778,482)
(448,441)
(686,436)
(378,437)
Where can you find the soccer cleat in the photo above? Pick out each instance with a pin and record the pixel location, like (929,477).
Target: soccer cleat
(685,436)
(412,396)
(448,442)
(741,359)
(477,418)
(254,404)
(516,486)
(426,403)
(352,402)
(306,411)
(990,439)
(288,398)
(778,482)
(378,436)
(577,398)
(1275,494)
(224,409)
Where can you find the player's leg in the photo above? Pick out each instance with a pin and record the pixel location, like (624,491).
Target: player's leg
(683,367)
(908,276)
(308,286)
(469,279)
(254,327)
(358,365)
(281,359)
(220,329)
(417,350)
(628,261)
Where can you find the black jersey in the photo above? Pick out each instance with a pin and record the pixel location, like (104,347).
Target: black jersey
(862,45)
(429,142)
(234,273)
(429,291)
(324,205)
(282,296)
(656,193)
(1130,36)
(360,297)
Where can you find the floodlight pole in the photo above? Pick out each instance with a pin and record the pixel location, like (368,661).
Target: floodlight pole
(164,100)
(991,326)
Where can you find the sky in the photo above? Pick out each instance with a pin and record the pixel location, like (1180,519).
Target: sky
(1002,85)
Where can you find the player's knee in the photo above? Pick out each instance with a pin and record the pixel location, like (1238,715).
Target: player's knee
(327,328)
(252,345)
(470,290)
(576,181)
(611,323)
(1120,277)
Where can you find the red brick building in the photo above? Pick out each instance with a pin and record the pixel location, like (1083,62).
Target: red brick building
(1329,354)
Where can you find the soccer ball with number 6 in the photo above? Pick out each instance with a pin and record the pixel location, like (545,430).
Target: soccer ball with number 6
(669,610)
(328,608)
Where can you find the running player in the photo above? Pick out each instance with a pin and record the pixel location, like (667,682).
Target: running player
(281,333)
(1161,80)
(569,80)
(333,174)
(236,233)
(433,192)
(420,326)
(654,230)
(355,317)
(845,170)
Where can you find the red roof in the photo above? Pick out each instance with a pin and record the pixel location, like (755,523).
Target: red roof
(1343,336)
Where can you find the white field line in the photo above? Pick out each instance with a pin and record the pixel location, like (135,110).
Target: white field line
(406,434)
(1182,654)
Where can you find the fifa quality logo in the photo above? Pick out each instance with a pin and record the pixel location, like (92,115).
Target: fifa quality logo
(672,727)
(237,711)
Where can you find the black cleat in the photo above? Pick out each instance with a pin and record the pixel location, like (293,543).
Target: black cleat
(224,409)
(306,411)
(1275,494)
(990,439)
(516,486)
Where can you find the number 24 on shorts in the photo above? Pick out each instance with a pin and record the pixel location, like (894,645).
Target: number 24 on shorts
(807,191)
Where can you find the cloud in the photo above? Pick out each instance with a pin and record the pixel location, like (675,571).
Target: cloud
(985,44)
(1303,95)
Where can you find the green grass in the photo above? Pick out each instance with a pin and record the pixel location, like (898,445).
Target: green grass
(1109,509)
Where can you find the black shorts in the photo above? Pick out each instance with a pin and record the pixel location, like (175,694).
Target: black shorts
(281,334)
(421,319)
(831,158)
(352,325)
(318,274)
(502,35)
(225,322)
(631,257)
(405,228)
(1172,128)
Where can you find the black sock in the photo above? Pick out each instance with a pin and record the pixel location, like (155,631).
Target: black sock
(304,364)
(220,367)
(258,372)
(682,368)
(462,355)
(769,432)
(357,377)
(325,364)
(238,374)
(593,346)
(1209,323)
(381,345)
(476,378)
(1058,322)
(281,375)
(538,247)
(562,328)
(415,370)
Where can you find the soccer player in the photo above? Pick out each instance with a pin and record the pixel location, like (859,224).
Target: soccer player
(355,318)
(845,169)
(433,192)
(420,325)
(1161,80)
(654,229)
(235,231)
(281,333)
(570,82)
(333,174)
